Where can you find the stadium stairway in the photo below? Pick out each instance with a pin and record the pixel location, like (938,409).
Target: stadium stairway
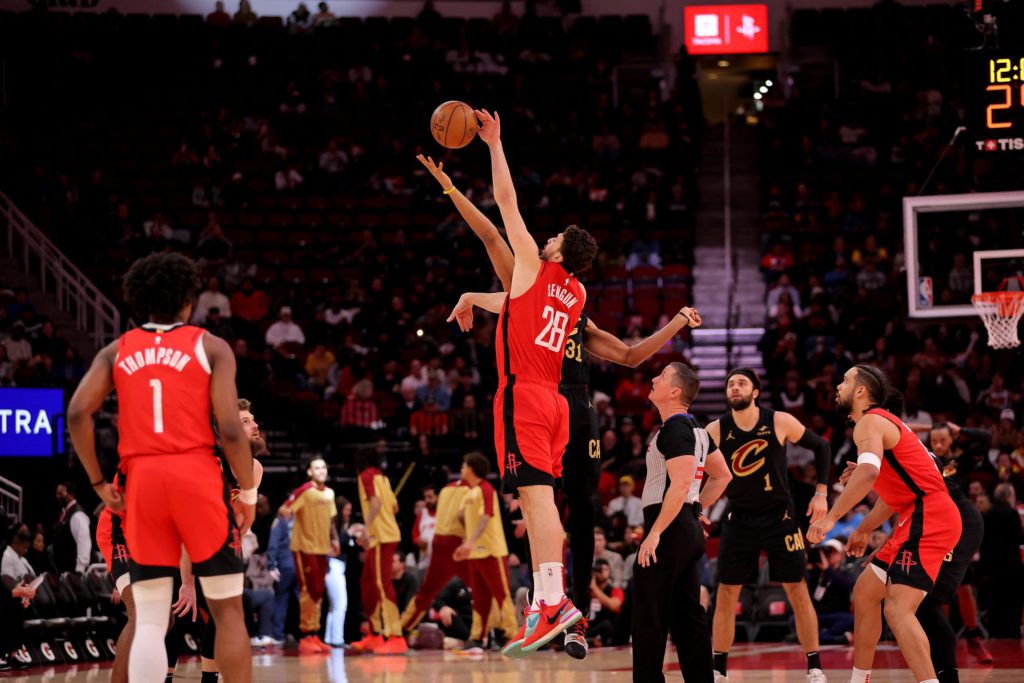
(729,338)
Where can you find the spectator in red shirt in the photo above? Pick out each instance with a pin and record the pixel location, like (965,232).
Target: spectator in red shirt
(429,420)
(360,411)
(218,17)
(249,303)
(631,395)
(777,261)
(605,604)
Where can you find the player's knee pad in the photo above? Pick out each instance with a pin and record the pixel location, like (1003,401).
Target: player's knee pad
(153,601)
(222,587)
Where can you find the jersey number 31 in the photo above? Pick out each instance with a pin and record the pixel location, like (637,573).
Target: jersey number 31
(553,334)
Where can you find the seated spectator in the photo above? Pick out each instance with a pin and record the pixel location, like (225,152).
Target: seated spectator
(37,555)
(359,411)
(250,304)
(19,350)
(605,604)
(452,610)
(627,503)
(288,178)
(300,19)
(245,16)
(870,278)
(614,560)
(831,588)
(783,286)
(333,160)
(19,305)
(318,363)
(218,17)
(14,562)
(284,331)
(405,583)
(435,390)
(259,594)
(218,325)
(429,420)
(778,260)
(324,17)
(209,298)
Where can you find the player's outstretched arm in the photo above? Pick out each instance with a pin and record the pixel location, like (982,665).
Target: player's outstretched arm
(224,399)
(523,245)
(463,311)
(868,437)
(609,347)
(87,399)
(497,248)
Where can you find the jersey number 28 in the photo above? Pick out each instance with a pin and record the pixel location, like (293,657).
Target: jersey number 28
(553,334)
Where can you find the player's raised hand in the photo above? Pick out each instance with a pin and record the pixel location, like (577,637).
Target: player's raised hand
(436,170)
(847,473)
(490,126)
(817,531)
(692,316)
(463,313)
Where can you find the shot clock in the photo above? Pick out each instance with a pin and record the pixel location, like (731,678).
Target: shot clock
(995,101)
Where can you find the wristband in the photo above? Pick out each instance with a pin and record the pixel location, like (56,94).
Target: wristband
(685,317)
(449,190)
(823,495)
(98,482)
(248,496)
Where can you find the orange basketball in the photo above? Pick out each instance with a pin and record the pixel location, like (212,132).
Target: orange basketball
(453,124)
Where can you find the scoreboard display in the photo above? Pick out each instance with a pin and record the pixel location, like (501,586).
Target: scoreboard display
(995,101)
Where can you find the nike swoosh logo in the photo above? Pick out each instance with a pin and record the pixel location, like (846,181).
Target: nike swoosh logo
(552,620)
(903,521)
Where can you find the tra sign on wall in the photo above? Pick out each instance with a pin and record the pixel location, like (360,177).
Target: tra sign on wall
(31,422)
(726,29)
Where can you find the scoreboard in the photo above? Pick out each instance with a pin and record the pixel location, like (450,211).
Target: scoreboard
(994,101)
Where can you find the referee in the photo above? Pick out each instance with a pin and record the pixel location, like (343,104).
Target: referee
(667,589)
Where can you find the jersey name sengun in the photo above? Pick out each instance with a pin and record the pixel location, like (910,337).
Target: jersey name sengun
(563,295)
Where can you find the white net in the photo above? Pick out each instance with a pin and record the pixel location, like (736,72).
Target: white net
(1001,312)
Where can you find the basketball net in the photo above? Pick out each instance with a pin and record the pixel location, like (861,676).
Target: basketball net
(1001,311)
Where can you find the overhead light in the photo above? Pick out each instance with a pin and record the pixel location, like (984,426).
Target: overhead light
(758,96)
(419,333)
(763,89)
(723,63)
(769,83)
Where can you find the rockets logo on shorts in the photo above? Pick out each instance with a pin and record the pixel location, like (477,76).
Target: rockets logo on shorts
(512,464)
(906,561)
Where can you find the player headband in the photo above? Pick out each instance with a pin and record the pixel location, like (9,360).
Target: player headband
(748,373)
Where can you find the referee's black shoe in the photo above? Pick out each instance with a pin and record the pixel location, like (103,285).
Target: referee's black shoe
(576,640)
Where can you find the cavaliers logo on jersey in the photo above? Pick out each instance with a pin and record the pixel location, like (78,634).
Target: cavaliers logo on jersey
(742,463)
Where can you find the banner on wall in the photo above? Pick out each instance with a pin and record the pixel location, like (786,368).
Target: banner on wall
(726,29)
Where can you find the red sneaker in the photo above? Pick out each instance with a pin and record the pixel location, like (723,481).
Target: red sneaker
(392,646)
(368,644)
(309,646)
(514,648)
(554,619)
(978,649)
(324,647)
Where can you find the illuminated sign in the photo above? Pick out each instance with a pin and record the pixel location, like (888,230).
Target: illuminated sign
(31,422)
(726,29)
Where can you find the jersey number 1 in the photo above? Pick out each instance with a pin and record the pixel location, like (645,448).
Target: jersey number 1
(158,406)
(553,334)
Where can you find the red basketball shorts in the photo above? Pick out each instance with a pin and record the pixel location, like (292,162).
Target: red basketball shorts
(174,500)
(531,430)
(927,532)
(111,541)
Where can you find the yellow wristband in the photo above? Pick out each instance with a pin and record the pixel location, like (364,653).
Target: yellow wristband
(449,190)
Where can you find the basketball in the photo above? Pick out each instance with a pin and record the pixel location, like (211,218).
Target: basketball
(453,124)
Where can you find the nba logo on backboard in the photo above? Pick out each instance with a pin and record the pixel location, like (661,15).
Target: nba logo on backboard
(925,294)
(705,25)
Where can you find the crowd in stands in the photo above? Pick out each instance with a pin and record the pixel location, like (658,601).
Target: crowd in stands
(840,167)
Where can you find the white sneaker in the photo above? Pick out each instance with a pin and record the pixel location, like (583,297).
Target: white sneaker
(271,640)
(816,676)
(721,678)
(257,641)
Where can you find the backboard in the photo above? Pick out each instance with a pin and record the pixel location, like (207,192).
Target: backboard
(959,245)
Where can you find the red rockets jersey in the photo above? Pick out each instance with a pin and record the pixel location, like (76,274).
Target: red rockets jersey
(533,328)
(908,471)
(162,377)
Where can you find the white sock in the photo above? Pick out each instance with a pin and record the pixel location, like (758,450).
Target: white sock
(931,680)
(535,603)
(860,675)
(552,584)
(147,661)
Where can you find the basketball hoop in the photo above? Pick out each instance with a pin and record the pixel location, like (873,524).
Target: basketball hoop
(1001,312)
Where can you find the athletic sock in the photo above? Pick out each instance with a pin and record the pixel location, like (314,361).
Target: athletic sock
(535,604)
(552,583)
(720,658)
(169,678)
(210,677)
(860,675)
(813,660)
(931,680)
(949,676)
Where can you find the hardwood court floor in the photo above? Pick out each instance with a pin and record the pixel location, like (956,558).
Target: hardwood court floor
(765,663)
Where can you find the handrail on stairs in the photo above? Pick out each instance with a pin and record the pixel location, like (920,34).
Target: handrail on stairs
(11,498)
(76,294)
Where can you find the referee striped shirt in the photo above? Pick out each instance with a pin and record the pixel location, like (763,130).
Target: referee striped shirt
(680,435)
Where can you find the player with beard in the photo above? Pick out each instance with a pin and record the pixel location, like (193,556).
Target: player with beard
(581,462)
(893,461)
(761,516)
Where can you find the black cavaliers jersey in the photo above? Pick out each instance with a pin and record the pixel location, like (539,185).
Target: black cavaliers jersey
(760,481)
(575,370)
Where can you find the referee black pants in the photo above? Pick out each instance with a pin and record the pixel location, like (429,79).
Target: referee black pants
(666,600)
